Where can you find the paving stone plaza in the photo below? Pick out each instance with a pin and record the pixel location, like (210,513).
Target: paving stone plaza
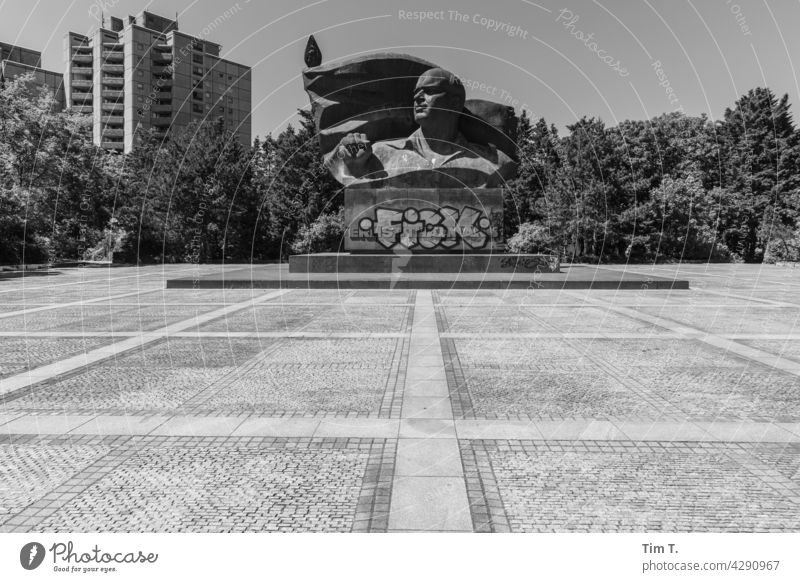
(127,407)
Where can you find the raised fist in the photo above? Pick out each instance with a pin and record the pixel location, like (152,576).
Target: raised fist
(354,147)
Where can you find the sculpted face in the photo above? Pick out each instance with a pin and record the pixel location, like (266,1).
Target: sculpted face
(438,97)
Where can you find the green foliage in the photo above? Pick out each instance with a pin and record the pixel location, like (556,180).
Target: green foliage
(783,246)
(297,187)
(676,223)
(54,180)
(532,237)
(324,235)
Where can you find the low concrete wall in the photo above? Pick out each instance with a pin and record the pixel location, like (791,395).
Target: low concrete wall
(423,263)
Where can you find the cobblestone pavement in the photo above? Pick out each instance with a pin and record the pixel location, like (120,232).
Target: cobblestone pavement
(126,407)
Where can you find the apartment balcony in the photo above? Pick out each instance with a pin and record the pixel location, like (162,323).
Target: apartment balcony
(82,59)
(161,53)
(82,83)
(113,132)
(161,121)
(112,145)
(111,68)
(82,108)
(161,70)
(113,107)
(113,81)
(113,120)
(109,94)
(81,96)
(82,71)
(161,108)
(82,49)
(113,45)
(113,56)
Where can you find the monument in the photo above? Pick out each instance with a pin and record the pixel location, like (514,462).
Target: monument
(423,168)
(423,171)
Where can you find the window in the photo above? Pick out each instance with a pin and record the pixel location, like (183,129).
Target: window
(140,73)
(140,86)
(197,108)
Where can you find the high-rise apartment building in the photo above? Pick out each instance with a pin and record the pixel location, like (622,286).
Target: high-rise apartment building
(145,73)
(16,61)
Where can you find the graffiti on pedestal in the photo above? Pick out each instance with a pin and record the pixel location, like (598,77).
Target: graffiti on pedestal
(428,228)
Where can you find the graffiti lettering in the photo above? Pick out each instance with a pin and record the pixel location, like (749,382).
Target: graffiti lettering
(427,228)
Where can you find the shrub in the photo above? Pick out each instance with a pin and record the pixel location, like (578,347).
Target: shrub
(324,235)
(783,246)
(531,238)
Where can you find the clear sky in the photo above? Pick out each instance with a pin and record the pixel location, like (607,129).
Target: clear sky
(604,63)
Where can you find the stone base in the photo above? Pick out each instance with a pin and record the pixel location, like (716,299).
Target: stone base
(423,220)
(570,277)
(413,263)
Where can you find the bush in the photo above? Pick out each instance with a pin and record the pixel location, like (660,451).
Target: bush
(531,238)
(783,246)
(324,235)
(112,241)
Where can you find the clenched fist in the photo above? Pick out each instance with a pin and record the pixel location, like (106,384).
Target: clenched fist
(354,147)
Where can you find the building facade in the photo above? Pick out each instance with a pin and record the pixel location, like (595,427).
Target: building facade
(144,74)
(16,61)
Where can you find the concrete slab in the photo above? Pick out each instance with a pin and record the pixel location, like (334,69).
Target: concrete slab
(428,458)
(426,374)
(414,428)
(277,427)
(377,428)
(426,360)
(5,418)
(198,426)
(423,407)
(750,432)
(498,429)
(579,430)
(427,389)
(664,431)
(36,424)
(430,504)
(121,425)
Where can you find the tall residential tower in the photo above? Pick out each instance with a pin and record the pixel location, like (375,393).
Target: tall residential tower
(144,74)
(16,61)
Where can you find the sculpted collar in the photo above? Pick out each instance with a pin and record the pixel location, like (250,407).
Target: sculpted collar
(415,142)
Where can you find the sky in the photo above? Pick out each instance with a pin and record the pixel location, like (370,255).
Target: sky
(558,59)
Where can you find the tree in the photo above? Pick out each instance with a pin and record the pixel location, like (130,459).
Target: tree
(300,186)
(761,150)
(678,222)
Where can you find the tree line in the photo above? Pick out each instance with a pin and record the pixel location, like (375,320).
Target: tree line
(674,187)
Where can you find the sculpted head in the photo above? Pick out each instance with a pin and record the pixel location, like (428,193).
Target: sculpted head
(438,100)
